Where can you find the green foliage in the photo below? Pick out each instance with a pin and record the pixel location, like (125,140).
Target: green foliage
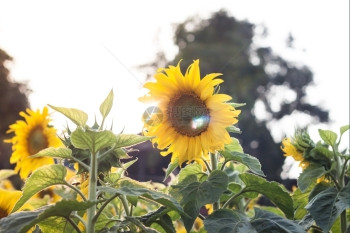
(63,153)
(92,140)
(310,175)
(41,178)
(274,191)
(77,116)
(328,136)
(107,104)
(327,205)
(127,140)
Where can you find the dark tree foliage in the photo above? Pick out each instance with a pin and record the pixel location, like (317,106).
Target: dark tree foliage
(13,99)
(225,45)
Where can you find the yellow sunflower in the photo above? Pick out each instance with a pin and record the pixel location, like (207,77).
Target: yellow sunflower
(31,135)
(8,199)
(290,150)
(194,118)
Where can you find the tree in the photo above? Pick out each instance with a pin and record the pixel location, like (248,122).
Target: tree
(253,75)
(13,99)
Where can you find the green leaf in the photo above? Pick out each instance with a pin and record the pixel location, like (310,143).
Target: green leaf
(62,208)
(171,167)
(6,173)
(56,224)
(77,116)
(194,195)
(127,140)
(275,192)
(190,169)
(249,161)
(234,146)
(310,175)
(41,178)
(236,105)
(233,129)
(228,221)
(326,206)
(16,221)
(265,221)
(300,200)
(133,188)
(344,128)
(107,104)
(53,152)
(328,136)
(94,141)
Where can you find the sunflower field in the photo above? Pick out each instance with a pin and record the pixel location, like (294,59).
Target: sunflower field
(77,180)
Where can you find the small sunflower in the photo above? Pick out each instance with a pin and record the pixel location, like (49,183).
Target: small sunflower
(8,199)
(290,150)
(31,135)
(194,117)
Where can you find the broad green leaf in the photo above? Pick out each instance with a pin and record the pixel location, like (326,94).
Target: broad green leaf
(171,167)
(77,116)
(249,161)
(328,136)
(56,224)
(194,195)
(16,221)
(127,140)
(228,221)
(53,152)
(190,169)
(107,104)
(274,191)
(41,178)
(310,175)
(6,173)
(265,221)
(300,200)
(344,128)
(62,208)
(133,188)
(234,146)
(326,206)
(94,141)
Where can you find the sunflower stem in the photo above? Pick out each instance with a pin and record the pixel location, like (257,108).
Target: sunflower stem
(214,166)
(92,194)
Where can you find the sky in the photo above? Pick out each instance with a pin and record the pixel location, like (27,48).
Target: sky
(72,53)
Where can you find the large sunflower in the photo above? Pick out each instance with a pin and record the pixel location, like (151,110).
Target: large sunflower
(8,199)
(31,135)
(194,118)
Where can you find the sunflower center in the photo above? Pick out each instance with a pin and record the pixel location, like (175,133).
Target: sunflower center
(3,213)
(37,141)
(188,114)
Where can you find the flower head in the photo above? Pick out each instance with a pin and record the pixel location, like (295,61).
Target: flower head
(31,135)
(290,149)
(194,118)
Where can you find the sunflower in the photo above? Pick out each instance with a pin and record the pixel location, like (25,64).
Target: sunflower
(290,150)
(31,135)
(194,117)
(8,199)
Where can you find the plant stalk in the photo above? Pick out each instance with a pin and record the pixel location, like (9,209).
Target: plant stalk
(214,166)
(92,194)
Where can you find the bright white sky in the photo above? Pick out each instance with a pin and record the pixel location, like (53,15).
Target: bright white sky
(63,49)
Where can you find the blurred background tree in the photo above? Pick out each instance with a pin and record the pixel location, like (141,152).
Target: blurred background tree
(13,99)
(271,87)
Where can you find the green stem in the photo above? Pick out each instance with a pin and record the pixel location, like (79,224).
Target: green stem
(81,163)
(214,166)
(125,204)
(73,224)
(77,190)
(233,197)
(343,221)
(106,153)
(92,193)
(79,218)
(103,206)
